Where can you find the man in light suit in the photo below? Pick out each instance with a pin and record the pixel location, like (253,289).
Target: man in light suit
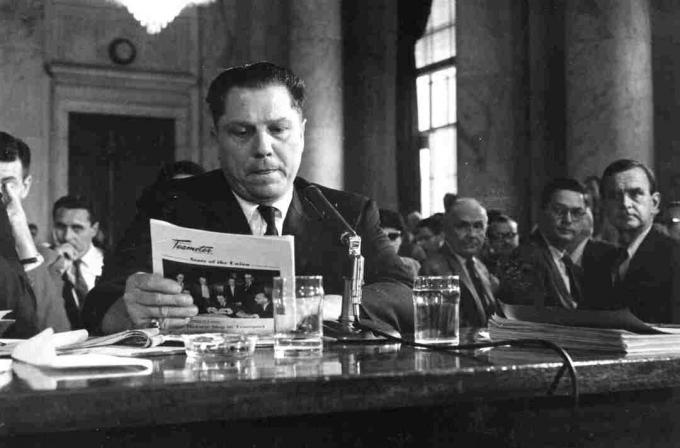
(465,231)
(259,128)
(647,274)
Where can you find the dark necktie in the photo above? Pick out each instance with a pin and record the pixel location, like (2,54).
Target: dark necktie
(574,274)
(487,302)
(72,309)
(619,261)
(268,213)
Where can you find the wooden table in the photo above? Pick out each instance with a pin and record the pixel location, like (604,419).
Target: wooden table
(355,395)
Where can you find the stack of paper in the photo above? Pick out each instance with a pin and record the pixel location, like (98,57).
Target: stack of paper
(601,331)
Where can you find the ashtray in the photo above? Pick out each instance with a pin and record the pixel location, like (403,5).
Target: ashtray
(219,344)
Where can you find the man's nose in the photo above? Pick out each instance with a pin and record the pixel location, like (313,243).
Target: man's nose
(262,144)
(626,201)
(69,234)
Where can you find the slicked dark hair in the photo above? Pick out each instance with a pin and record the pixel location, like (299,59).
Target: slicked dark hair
(12,148)
(73,202)
(561,183)
(257,75)
(622,165)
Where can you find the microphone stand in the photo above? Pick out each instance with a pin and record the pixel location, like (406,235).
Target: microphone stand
(345,328)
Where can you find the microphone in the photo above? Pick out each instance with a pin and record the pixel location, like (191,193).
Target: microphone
(327,211)
(347,327)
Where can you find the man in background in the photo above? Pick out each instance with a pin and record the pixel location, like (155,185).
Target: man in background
(542,272)
(465,231)
(646,274)
(75,226)
(501,239)
(43,266)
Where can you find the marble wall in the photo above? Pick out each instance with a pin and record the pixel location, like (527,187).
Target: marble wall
(492,104)
(609,107)
(665,69)
(24,92)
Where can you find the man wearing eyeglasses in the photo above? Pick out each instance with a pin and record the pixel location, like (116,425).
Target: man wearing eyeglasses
(543,271)
(647,274)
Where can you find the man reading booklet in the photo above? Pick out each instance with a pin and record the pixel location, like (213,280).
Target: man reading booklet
(259,128)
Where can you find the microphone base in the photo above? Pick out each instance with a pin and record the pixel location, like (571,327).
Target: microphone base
(351,334)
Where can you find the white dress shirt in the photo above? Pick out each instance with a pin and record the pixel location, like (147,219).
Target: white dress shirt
(91,264)
(257,224)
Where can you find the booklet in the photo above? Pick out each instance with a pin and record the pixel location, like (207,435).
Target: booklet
(229,276)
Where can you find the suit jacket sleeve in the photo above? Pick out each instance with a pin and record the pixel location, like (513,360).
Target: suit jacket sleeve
(15,291)
(387,294)
(132,254)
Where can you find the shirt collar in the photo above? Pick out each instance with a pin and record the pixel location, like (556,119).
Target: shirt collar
(92,258)
(250,208)
(635,244)
(555,252)
(577,254)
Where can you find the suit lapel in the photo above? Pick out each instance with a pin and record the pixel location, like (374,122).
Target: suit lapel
(456,266)
(299,222)
(223,212)
(555,279)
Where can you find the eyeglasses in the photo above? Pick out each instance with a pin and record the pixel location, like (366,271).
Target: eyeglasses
(503,236)
(561,212)
(393,235)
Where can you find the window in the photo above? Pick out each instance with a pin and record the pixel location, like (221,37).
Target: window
(436,86)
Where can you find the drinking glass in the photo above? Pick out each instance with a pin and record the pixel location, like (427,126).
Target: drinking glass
(297,319)
(436,307)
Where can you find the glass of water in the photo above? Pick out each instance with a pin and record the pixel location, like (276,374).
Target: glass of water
(436,302)
(297,317)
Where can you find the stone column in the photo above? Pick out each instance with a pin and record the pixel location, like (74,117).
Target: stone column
(609,106)
(315,54)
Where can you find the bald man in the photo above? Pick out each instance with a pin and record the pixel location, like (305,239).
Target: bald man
(464,234)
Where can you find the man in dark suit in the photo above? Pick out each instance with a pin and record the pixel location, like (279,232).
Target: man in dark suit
(647,274)
(465,231)
(259,128)
(542,271)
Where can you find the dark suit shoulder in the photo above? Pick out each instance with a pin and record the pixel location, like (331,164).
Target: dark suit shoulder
(350,205)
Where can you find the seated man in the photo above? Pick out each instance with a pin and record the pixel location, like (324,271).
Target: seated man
(465,231)
(392,224)
(430,235)
(502,238)
(44,267)
(75,227)
(15,291)
(259,128)
(542,271)
(647,274)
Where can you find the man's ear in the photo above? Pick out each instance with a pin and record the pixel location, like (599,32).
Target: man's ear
(28,181)
(95,227)
(302,131)
(656,201)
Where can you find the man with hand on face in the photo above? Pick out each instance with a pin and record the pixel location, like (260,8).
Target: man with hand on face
(40,264)
(259,127)
(465,231)
(542,271)
(74,228)
(646,274)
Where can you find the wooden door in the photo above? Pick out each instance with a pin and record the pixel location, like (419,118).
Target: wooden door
(112,158)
